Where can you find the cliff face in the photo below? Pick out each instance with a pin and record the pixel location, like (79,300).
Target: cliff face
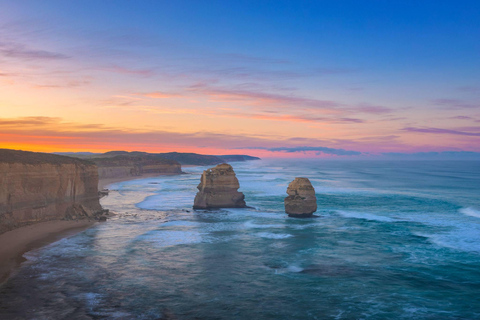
(218,189)
(36,187)
(127,166)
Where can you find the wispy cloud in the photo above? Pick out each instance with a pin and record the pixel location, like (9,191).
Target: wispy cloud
(302,118)
(262,98)
(27,122)
(55,131)
(65,84)
(20,51)
(316,150)
(441,131)
(462,118)
(369,108)
(455,104)
(130,71)
(434,155)
(159,95)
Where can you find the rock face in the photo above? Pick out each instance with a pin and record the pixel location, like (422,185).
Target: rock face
(36,187)
(129,165)
(301,200)
(218,189)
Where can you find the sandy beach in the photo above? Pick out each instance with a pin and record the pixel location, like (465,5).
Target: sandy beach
(13,244)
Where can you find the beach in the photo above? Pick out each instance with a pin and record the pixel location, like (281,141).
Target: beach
(13,244)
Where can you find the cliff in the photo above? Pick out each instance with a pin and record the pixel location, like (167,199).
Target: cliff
(192,158)
(36,187)
(237,158)
(203,159)
(128,165)
(218,189)
(183,158)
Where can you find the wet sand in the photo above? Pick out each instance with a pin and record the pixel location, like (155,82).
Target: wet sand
(13,244)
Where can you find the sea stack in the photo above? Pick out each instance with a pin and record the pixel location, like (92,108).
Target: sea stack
(301,201)
(218,189)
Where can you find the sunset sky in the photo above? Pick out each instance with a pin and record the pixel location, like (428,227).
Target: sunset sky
(266,78)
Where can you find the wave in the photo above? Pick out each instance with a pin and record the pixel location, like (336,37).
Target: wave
(365,216)
(295,269)
(251,225)
(269,235)
(169,238)
(470,212)
(180,223)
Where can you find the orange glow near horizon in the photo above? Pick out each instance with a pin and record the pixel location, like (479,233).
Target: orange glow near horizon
(67,92)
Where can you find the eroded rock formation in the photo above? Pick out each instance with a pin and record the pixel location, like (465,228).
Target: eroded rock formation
(301,200)
(129,165)
(36,187)
(218,189)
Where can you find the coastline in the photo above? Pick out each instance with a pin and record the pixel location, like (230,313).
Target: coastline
(14,243)
(102,183)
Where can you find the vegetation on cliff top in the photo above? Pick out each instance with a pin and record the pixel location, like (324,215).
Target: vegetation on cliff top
(182,158)
(27,157)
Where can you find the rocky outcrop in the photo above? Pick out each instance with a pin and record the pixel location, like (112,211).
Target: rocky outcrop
(130,166)
(36,187)
(301,200)
(218,189)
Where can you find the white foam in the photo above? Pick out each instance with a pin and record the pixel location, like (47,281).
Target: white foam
(365,216)
(295,269)
(167,238)
(463,239)
(269,235)
(470,212)
(180,223)
(251,225)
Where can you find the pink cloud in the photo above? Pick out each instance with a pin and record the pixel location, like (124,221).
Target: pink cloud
(130,71)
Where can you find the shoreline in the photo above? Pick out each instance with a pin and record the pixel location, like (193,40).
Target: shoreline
(15,243)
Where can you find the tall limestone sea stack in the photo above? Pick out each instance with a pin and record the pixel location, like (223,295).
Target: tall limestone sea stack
(218,189)
(301,201)
(36,187)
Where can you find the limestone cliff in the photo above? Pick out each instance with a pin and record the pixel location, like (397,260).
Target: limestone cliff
(36,187)
(218,189)
(301,200)
(130,165)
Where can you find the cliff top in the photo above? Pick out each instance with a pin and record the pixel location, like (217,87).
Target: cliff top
(27,157)
(130,158)
(181,157)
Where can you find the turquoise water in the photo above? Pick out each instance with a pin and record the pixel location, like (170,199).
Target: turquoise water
(391,240)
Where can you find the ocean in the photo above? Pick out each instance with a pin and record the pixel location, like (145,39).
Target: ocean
(390,240)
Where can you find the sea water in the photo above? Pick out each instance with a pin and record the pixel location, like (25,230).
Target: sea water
(390,240)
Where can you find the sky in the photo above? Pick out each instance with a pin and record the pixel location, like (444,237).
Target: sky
(267,78)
